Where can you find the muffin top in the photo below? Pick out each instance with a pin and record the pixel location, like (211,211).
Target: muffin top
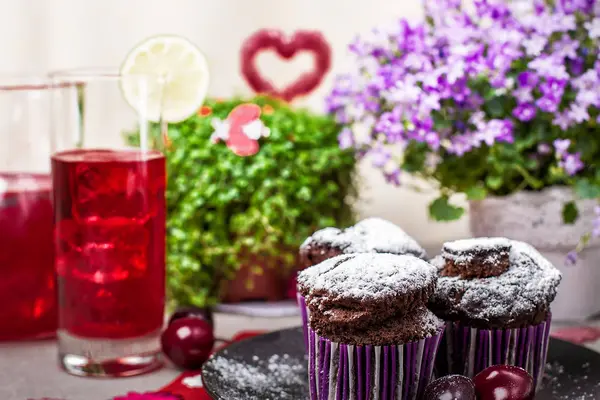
(476,258)
(352,297)
(371,235)
(497,296)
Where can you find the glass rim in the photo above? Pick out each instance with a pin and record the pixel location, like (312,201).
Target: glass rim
(17,82)
(82,75)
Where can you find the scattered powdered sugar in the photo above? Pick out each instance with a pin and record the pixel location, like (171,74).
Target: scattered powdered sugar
(368,236)
(529,282)
(578,385)
(476,245)
(369,275)
(269,379)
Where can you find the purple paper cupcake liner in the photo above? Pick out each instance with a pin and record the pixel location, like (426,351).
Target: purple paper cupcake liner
(346,372)
(304,314)
(468,351)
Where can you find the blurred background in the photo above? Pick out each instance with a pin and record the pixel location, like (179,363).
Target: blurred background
(47,35)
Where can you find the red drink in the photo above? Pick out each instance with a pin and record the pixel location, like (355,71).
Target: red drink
(27,284)
(110,242)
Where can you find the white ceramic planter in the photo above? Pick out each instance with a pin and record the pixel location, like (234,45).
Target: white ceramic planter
(536,218)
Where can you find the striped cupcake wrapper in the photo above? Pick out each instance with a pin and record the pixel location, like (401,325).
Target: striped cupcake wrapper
(304,314)
(346,372)
(468,351)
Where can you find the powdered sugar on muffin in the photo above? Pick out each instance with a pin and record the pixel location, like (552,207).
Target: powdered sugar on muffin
(371,235)
(369,275)
(476,258)
(519,296)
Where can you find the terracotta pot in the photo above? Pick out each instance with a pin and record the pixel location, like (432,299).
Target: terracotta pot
(265,283)
(251,285)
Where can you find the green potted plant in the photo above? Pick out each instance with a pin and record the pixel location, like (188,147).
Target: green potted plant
(498,104)
(231,216)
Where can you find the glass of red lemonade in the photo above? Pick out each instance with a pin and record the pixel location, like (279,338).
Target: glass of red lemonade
(109,214)
(27,285)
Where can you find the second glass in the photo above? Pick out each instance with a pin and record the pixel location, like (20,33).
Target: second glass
(109,201)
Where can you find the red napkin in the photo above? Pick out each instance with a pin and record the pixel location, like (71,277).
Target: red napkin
(188,385)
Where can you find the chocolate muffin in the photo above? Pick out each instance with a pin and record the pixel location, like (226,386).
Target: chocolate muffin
(495,295)
(369,320)
(494,283)
(371,235)
(354,294)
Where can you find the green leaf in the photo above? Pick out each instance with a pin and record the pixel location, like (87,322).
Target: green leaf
(570,212)
(476,193)
(441,210)
(493,182)
(586,189)
(495,107)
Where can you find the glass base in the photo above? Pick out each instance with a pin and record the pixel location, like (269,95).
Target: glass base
(109,357)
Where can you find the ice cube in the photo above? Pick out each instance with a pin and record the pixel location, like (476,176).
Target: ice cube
(102,250)
(111,191)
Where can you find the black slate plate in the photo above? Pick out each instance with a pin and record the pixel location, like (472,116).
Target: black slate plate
(272,366)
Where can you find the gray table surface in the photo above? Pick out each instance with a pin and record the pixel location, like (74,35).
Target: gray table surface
(28,370)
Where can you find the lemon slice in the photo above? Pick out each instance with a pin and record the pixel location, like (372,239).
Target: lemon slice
(179,78)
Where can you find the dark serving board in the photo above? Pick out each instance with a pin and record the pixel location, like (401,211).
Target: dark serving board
(273,366)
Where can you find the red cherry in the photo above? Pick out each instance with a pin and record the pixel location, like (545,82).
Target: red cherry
(187,342)
(192,312)
(504,382)
(451,387)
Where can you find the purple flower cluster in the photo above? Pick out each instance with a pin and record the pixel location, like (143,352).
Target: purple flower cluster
(435,83)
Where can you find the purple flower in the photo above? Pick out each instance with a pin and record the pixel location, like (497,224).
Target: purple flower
(460,144)
(593,28)
(524,112)
(571,6)
(346,138)
(548,103)
(576,66)
(544,148)
(578,113)
(566,47)
(596,225)
(390,124)
(562,120)
(535,45)
(549,66)
(523,95)
(477,119)
(405,76)
(586,98)
(428,103)
(433,140)
(393,177)
(561,146)
(379,157)
(553,87)
(539,6)
(571,163)
(527,79)
(571,258)
(496,131)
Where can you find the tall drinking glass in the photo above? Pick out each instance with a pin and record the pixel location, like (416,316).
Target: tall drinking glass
(27,284)
(109,202)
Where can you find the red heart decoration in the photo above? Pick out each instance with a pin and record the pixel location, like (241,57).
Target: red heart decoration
(268,39)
